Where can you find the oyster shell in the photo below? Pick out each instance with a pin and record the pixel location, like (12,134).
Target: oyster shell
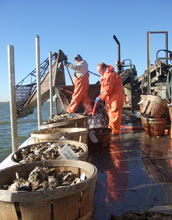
(43,151)
(57,118)
(41,178)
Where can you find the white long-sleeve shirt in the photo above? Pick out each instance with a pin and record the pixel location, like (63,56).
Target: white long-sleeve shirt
(80,68)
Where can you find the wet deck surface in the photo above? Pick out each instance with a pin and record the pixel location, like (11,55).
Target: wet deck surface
(134,173)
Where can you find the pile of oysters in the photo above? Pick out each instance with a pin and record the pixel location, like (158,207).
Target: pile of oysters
(43,178)
(145,215)
(43,151)
(61,117)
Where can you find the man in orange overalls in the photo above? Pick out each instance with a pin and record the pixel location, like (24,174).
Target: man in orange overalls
(81,83)
(112,92)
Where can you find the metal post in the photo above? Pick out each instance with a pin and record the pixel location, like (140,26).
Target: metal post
(132,86)
(119,53)
(148,64)
(39,115)
(13,118)
(50,83)
(166,46)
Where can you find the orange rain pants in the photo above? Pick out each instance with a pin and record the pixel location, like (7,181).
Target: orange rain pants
(80,95)
(112,92)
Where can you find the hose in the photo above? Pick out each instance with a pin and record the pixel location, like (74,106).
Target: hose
(132,128)
(94,109)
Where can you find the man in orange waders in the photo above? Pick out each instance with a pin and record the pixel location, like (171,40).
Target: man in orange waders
(81,83)
(112,92)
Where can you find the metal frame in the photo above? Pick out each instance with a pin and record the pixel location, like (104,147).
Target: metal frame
(118,65)
(148,55)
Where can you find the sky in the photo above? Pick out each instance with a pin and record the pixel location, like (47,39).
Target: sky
(84,27)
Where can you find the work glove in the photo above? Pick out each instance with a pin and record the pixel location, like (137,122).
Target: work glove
(97,99)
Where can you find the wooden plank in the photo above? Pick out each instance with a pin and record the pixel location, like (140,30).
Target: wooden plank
(7,211)
(67,208)
(93,91)
(36,210)
(87,200)
(87,216)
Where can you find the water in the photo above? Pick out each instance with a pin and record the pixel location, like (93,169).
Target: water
(25,126)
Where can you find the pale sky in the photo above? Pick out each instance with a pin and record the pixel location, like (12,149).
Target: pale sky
(80,27)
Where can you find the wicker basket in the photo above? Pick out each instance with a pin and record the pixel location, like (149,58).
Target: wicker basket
(152,106)
(79,121)
(76,134)
(74,202)
(154,126)
(170,112)
(83,156)
(103,136)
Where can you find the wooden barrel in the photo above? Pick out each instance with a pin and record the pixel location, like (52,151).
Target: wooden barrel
(170,113)
(79,121)
(103,136)
(152,106)
(83,156)
(74,202)
(154,126)
(76,134)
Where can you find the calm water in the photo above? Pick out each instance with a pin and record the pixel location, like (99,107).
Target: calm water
(25,127)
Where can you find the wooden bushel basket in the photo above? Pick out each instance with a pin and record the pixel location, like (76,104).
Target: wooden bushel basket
(170,112)
(154,126)
(83,156)
(76,134)
(79,122)
(103,136)
(74,202)
(152,106)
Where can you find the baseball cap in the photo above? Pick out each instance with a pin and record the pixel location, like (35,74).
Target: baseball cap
(77,56)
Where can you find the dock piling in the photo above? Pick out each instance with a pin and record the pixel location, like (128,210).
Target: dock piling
(13,116)
(50,81)
(38,82)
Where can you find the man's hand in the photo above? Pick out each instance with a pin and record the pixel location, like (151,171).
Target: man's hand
(97,99)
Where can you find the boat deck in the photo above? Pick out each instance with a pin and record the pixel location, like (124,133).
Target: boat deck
(134,173)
